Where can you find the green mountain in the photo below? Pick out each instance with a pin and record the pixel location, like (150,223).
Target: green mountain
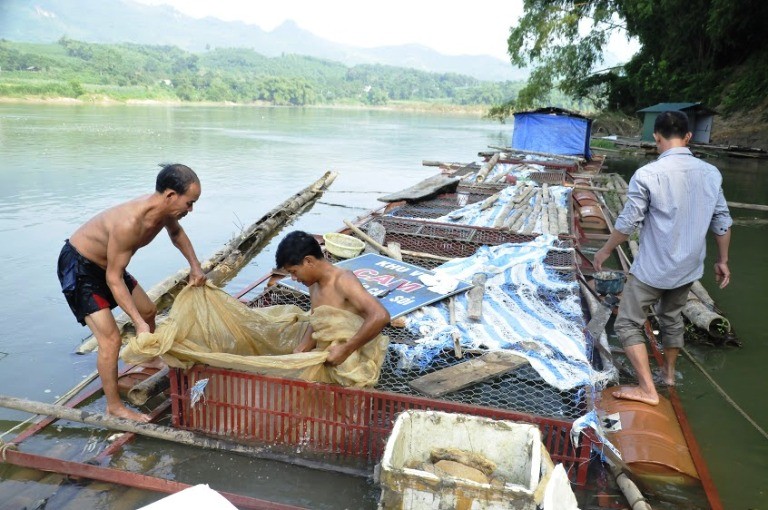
(118,21)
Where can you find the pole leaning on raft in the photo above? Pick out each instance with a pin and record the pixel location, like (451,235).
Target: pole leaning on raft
(233,256)
(169,434)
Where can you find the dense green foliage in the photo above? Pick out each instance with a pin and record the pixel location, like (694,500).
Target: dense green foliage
(715,51)
(123,71)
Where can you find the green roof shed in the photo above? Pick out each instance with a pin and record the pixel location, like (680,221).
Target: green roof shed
(699,119)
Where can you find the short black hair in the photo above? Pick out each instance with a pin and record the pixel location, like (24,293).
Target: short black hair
(671,124)
(176,177)
(294,247)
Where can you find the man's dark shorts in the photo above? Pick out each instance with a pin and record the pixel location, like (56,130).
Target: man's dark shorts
(84,283)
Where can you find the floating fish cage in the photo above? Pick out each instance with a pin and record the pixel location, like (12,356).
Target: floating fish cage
(520,390)
(440,208)
(453,240)
(335,423)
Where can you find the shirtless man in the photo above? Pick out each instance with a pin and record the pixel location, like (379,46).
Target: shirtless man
(300,254)
(92,268)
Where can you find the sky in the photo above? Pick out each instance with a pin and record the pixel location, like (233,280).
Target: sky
(479,27)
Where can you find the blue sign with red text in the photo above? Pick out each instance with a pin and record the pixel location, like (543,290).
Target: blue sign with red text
(397,284)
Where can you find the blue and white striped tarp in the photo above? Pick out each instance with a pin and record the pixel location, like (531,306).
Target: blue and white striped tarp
(527,309)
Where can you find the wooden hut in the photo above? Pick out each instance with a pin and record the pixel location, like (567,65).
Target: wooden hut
(699,119)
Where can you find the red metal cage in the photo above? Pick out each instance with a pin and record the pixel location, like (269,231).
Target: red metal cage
(329,419)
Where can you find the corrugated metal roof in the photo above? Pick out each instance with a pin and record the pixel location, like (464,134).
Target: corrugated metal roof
(554,110)
(663,107)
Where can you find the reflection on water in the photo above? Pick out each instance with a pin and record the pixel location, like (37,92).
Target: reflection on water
(59,165)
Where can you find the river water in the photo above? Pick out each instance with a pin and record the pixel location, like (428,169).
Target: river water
(60,164)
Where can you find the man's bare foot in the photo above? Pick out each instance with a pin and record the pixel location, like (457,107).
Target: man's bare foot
(124,412)
(668,379)
(660,378)
(635,393)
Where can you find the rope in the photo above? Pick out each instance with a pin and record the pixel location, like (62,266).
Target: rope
(4,447)
(724,394)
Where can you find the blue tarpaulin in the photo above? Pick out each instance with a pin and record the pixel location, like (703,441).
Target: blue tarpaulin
(554,134)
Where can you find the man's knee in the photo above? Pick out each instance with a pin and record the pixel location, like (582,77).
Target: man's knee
(673,334)
(629,332)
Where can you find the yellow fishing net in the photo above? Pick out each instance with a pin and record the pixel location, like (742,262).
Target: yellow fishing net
(207,325)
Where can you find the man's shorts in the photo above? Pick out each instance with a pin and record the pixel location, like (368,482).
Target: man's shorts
(84,283)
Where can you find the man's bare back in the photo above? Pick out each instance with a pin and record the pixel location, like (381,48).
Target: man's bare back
(135,216)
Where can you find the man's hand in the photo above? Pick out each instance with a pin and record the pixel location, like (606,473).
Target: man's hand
(197,277)
(600,256)
(337,355)
(722,274)
(141,327)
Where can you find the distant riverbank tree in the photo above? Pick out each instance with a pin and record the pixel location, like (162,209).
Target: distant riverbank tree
(79,69)
(715,51)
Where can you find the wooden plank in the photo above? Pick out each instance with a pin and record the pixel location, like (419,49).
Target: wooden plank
(425,189)
(463,375)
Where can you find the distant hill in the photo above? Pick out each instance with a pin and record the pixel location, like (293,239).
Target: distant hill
(115,21)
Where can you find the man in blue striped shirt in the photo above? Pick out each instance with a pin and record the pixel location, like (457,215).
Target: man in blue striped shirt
(674,201)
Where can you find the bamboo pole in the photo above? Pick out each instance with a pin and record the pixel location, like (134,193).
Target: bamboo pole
(523,194)
(512,219)
(754,207)
(475,296)
(487,167)
(530,225)
(167,434)
(502,217)
(488,202)
(520,221)
(554,225)
(534,153)
(423,255)
(454,333)
(226,262)
(149,387)
(365,237)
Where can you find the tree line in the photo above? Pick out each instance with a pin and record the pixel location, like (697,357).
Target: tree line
(73,68)
(714,51)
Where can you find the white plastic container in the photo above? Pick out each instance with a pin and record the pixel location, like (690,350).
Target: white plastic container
(514,447)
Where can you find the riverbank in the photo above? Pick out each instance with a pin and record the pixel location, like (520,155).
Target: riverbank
(408,106)
(748,128)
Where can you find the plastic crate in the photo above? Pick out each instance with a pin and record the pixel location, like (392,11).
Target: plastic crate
(334,421)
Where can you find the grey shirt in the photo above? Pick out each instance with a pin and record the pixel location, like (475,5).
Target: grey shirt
(674,201)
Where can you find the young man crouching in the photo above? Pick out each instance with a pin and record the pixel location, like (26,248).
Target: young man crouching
(300,255)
